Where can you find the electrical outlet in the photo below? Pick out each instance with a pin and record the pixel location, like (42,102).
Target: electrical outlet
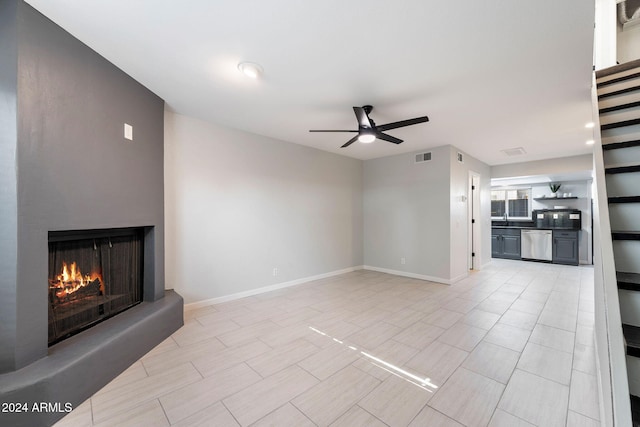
(275,271)
(403,261)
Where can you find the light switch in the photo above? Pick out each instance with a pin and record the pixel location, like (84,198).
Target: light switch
(128,132)
(555,216)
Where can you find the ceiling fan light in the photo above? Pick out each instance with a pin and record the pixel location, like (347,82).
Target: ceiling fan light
(250,69)
(366,138)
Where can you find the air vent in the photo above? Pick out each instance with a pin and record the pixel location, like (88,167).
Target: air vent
(628,13)
(423,157)
(518,151)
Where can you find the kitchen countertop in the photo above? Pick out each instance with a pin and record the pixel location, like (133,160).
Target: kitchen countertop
(529,227)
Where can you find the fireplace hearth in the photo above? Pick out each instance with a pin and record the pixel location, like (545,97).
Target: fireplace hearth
(93,275)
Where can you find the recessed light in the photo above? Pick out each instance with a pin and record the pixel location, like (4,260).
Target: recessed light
(250,69)
(590,142)
(589,125)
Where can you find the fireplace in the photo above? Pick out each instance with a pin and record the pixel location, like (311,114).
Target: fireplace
(93,275)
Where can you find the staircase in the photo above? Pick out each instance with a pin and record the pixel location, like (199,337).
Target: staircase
(618,91)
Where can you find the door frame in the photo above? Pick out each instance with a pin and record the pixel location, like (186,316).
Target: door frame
(474,245)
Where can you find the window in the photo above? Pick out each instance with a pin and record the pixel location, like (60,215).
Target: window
(514,203)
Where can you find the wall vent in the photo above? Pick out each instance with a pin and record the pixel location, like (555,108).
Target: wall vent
(628,13)
(423,157)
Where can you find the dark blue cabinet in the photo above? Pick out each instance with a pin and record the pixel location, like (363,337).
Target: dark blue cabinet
(505,243)
(565,247)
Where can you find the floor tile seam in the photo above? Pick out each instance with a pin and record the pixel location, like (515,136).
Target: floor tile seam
(365,410)
(112,414)
(540,376)
(568,386)
(569,395)
(290,402)
(166,416)
(145,356)
(586,416)
(227,409)
(311,373)
(552,348)
(260,339)
(562,329)
(477,373)
(204,377)
(145,378)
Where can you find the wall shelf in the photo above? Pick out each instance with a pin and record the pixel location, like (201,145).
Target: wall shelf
(554,198)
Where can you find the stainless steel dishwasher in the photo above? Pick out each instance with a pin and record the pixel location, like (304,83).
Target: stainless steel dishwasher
(537,244)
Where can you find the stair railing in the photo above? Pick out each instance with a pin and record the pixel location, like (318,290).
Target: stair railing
(610,349)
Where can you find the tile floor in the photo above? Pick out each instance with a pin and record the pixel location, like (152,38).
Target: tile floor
(511,345)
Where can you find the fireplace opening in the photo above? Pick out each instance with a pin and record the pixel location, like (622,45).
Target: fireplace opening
(93,275)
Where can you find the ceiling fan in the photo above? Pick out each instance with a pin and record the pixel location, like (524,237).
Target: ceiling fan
(368,131)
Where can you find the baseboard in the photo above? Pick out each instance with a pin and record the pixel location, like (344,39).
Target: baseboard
(204,303)
(414,275)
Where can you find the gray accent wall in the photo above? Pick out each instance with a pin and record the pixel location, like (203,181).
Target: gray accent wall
(415,211)
(406,207)
(75,170)
(8,181)
(239,205)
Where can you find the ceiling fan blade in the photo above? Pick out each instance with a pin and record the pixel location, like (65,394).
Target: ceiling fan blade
(389,138)
(403,123)
(351,141)
(333,130)
(363,119)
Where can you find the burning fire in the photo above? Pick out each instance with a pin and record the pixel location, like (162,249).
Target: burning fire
(71,280)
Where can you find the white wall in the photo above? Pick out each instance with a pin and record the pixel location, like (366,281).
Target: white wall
(239,205)
(414,211)
(561,165)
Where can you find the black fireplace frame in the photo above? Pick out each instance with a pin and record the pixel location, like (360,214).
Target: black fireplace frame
(97,235)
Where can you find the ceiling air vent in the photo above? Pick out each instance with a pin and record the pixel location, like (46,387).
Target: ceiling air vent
(519,151)
(423,157)
(628,13)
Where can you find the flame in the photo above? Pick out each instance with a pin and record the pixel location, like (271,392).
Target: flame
(71,279)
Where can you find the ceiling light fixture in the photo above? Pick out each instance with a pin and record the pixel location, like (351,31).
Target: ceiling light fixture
(366,137)
(589,125)
(250,69)
(590,142)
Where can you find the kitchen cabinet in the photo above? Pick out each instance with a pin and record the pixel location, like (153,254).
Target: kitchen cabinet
(505,243)
(565,247)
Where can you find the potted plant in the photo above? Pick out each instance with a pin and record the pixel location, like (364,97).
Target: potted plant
(554,188)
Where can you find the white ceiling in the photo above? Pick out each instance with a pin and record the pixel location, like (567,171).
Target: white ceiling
(491,75)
